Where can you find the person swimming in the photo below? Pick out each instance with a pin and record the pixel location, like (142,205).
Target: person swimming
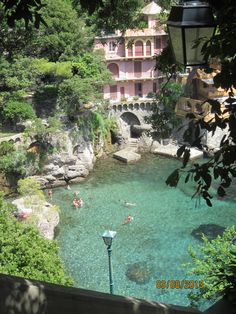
(128,220)
(50,194)
(75,203)
(81,202)
(128,204)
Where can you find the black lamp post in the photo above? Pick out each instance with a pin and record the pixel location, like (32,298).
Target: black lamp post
(188,22)
(108,236)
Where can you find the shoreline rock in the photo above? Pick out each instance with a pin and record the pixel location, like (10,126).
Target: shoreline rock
(44,215)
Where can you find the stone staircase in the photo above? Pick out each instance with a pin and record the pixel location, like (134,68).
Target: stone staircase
(129,152)
(132,144)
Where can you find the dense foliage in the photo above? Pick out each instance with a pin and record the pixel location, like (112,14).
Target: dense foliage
(215,264)
(16,111)
(14,162)
(163,118)
(222,166)
(61,38)
(25,253)
(95,125)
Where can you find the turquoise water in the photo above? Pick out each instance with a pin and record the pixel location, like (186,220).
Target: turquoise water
(157,238)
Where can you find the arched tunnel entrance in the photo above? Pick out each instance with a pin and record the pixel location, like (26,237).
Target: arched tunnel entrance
(129,120)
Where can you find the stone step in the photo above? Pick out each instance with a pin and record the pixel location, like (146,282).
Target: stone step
(127,156)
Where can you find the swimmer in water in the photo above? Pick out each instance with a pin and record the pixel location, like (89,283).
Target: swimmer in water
(128,204)
(128,220)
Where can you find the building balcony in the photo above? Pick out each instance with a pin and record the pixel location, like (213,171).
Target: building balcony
(114,57)
(199,108)
(135,78)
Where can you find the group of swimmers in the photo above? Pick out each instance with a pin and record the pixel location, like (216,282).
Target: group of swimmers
(129,218)
(77,202)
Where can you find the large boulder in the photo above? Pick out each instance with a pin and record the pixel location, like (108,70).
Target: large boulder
(211,231)
(139,272)
(42,214)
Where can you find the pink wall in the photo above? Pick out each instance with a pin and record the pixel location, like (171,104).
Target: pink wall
(127,76)
(152,21)
(129,87)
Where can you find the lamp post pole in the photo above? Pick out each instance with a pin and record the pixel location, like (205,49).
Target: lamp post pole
(108,236)
(109,250)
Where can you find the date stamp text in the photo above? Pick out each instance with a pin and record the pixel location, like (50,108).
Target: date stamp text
(179,284)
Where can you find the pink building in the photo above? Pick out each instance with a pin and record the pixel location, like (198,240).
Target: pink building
(131,59)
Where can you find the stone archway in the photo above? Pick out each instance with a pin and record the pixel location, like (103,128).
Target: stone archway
(128,120)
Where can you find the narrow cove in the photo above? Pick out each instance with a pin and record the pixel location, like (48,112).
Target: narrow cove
(152,247)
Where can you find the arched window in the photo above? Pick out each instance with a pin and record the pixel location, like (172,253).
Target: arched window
(138,48)
(113,67)
(130,49)
(148,48)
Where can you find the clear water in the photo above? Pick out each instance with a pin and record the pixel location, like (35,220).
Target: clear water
(158,237)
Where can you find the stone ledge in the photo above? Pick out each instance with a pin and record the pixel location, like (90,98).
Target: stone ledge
(23,296)
(127,155)
(170,150)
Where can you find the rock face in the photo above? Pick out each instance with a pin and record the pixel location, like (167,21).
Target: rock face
(72,163)
(211,231)
(44,216)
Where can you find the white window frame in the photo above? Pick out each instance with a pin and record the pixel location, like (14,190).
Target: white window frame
(111,46)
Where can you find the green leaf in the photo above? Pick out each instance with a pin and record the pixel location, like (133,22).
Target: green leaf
(186,157)
(180,151)
(220,191)
(173,178)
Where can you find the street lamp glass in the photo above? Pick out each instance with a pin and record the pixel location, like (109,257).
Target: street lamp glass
(108,236)
(188,23)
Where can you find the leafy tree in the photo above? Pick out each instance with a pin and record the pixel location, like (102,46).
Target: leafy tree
(16,75)
(16,111)
(61,38)
(30,187)
(25,253)
(112,14)
(27,10)
(6,148)
(163,118)
(222,165)
(84,87)
(215,264)
(17,163)
(13,40)
(166,64)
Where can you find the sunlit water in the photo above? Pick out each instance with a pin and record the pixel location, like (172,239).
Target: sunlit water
(158,237)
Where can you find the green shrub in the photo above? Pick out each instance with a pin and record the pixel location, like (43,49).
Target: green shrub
(18,110)
(29,187)
(6,148)
(25,253)
(151,95)
(97,123)
(215,264)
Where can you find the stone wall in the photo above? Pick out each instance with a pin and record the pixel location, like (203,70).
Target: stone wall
(22,296)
